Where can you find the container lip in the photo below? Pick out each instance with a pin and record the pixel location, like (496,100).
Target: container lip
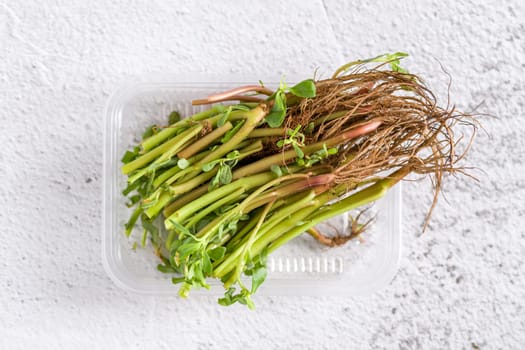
(157,79)
(111,260)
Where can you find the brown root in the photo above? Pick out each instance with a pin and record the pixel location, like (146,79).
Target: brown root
(356,229)
(415,131)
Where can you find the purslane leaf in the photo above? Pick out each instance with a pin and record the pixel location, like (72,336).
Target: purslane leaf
(128,157)
(150,131)
(276,116)
(258,277)
(206,265)
(174,117)
(305,88)
(183,163)
(187,249)
(298,151)
(276,170)
(225,175)
(165,269)
(217,253)
(208,166)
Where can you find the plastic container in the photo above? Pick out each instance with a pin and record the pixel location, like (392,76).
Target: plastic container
(301,267)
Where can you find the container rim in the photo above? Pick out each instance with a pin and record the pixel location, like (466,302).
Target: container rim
(110,259)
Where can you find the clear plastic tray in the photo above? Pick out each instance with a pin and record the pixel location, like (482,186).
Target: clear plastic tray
(301,267)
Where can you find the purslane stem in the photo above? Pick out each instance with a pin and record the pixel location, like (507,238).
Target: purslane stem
(205,141)
(283,157)
(360,198)
(152,141)
(161,151)
(192,207)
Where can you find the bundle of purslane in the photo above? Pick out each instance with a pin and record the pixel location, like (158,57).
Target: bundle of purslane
(235,182)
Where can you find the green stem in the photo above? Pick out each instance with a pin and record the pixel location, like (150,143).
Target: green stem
(205,141)
(304,182)
(194,193)
(232,260)
(358,199)
(170,172)
(172,145)
(232,244)
(133,220)
(183,138)
(252,117)
(211,197)
(185,199)
(171,130)
(210,208)
(167,196)
(267,132)
(283,157)
(238,238)
(197,179)
(246,249)
(163,200)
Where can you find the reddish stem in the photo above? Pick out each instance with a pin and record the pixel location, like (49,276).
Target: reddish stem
(234,94)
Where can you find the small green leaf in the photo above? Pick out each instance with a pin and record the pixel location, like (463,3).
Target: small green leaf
(176,280)
(206,265)
(150,130)
(309,128)
(133,200)
(217,253)
(131,187)
(393,59)
(199,276)
(332,150)
(233,155)
(228,297)
(182,230)
(276,116)
(305,88)
(280,143)
(187,249)
(151,228)
(208,166)
(298,151)
(263,256)
(258,277)
(214,183)
(183,163)
(128,157)
(225,175)
(276,170)
(165,269)
(174,117)
(232,226)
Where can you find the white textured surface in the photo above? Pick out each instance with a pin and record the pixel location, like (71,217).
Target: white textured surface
(461,285)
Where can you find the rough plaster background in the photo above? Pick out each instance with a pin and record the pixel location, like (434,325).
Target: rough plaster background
(461,285)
